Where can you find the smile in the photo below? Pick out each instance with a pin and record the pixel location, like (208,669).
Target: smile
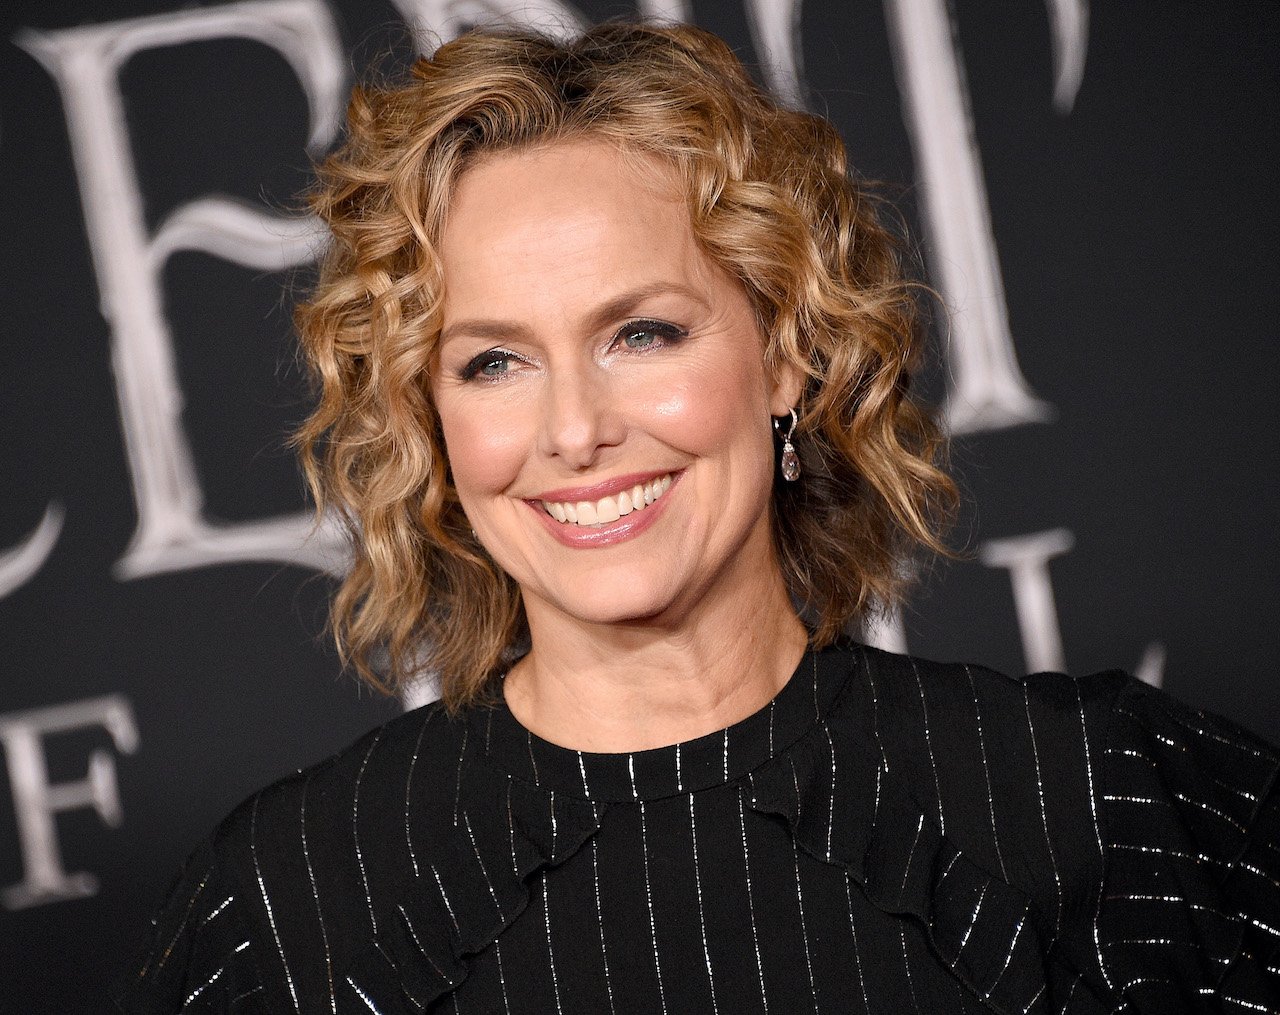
(609,509)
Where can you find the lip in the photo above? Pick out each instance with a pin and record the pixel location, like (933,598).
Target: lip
(608,488)
(583,537)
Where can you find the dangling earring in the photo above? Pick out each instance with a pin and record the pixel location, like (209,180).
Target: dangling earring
(790,460)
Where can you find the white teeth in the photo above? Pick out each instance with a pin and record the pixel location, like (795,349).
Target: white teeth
(608,509)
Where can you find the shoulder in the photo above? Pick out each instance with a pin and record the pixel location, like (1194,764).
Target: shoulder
(1060,741)
(1146,832)
(1216,773)
(355,820)
(246,915)
(369,774)
(1190,814)
(989,753)
(1007,766)
(967,689)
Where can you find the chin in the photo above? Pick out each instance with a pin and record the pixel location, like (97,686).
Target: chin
(612,600)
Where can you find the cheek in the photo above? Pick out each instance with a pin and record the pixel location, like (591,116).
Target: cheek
(711,410)
(484,458)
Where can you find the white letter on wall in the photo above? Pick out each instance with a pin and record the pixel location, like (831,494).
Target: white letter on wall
(36,800)
(884,630)
(1027,560)
(19,565)
(432,20)
(986,389)
(172,532)
(775,31)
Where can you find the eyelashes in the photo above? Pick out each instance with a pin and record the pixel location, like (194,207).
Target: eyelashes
(490,364)
(639,337)
(661,334)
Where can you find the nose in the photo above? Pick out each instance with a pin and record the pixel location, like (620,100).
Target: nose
(580,415)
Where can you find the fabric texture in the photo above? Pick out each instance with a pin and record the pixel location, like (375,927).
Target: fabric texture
(887,835)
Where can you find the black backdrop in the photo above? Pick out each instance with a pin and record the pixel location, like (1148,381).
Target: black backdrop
(1136,234)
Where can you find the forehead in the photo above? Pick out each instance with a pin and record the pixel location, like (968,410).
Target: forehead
(584,175)
(572,219)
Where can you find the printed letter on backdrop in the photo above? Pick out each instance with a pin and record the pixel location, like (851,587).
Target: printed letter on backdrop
(434,21)
(173,533)
(36,800)
(19,565)
(1027,560)
(775,31)
(986,389)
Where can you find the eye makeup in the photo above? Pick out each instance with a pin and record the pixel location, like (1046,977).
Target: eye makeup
(477,365)
(641,336)
(629,334)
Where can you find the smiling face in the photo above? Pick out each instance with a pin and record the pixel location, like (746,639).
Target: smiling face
(601,386)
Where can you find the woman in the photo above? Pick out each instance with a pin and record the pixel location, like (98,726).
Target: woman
(574,291)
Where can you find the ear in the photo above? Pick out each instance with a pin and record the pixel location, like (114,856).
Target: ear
(785,388)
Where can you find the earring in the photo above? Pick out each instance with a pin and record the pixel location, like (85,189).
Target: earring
(790,460)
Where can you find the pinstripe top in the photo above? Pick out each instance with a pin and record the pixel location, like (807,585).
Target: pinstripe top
(887,835)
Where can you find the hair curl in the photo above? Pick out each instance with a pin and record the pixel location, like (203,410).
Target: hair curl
(772,200)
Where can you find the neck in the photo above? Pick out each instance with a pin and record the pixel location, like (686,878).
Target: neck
(635,686)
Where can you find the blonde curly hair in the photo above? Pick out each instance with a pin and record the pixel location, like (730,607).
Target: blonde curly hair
(771,199)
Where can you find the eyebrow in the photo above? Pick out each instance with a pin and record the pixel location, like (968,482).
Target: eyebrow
(611,310)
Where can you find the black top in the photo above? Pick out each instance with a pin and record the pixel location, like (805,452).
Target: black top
(887,835)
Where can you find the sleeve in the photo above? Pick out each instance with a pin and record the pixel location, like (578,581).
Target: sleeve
(1189,917)
(198,956)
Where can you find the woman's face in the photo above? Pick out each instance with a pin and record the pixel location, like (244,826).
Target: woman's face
(602,388)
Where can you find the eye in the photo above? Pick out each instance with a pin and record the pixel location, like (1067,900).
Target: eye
(488,365)
(642,336)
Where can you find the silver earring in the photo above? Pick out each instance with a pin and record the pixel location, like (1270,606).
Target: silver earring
(790,460)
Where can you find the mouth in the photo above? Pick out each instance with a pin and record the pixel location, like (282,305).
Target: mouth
(589,513)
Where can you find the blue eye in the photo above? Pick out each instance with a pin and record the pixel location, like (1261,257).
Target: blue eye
(640,339)
(490,365)
(641,336)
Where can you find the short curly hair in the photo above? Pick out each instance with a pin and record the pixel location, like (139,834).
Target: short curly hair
(771,199)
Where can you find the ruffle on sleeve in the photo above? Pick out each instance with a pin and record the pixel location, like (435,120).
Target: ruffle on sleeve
(1190,916)
(983,928)
(198,957)
(471,885)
